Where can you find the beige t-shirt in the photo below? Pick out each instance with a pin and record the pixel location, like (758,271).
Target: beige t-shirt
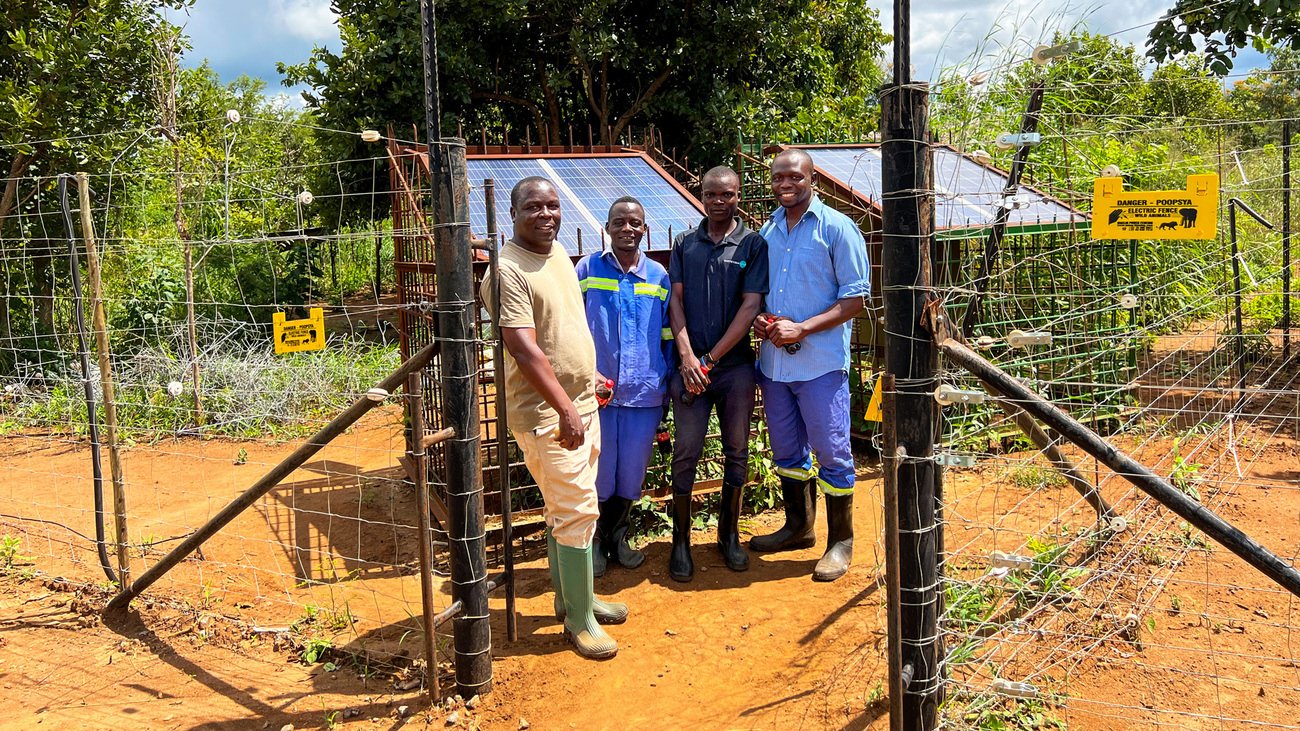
(542,292)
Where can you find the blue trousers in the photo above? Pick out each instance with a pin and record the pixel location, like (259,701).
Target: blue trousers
(627,442)
(806,418)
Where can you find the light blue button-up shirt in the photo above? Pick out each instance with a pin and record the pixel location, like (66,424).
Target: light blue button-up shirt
(628,316)
(821,260)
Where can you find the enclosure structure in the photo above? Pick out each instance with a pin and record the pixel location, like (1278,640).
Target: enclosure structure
(588,180)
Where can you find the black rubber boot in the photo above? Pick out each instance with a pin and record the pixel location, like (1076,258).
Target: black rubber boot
(729,529)
(616,546)
(839,538)
(800,515)
(680,565)
(598,546)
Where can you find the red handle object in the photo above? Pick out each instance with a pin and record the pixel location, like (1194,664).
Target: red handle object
(605,392)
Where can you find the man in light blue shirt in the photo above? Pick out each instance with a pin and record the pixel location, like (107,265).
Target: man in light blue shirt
(818,281)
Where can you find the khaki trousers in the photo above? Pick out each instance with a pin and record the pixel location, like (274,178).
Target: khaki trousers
(567,479)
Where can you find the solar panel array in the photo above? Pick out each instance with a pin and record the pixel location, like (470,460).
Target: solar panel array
(587,187)
(967,193)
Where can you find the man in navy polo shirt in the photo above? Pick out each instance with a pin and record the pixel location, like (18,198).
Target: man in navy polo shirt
(626,297)
(719,275)
(818,282)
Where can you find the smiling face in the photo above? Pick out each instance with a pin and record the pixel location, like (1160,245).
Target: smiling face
(537,216)
(721,197)
(626,226)
(792,179)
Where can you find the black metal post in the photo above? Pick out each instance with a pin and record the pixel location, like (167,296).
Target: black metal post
(1286,242)
(92,414)
(1028,123)
(1130,469)
(908,240)
(1237,349)
(498,386)
(454,280)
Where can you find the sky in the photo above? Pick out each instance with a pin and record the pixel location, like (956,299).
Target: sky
(250,36)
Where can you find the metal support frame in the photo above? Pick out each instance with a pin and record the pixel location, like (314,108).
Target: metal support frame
(271,479)
(498,387)
(1286,243)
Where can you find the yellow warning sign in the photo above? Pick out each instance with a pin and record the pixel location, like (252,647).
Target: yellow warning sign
(1159,214)
(294,336)
(873,406)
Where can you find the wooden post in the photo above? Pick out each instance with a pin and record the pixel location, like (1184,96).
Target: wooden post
(100,327)
(893,595)
(416,453)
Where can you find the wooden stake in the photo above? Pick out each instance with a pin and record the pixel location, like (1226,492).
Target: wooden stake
(105,380)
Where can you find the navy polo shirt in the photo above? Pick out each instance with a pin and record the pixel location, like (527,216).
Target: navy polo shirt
(714,278)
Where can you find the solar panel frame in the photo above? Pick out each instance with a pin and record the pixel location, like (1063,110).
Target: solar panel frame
(966,191)
(587,184)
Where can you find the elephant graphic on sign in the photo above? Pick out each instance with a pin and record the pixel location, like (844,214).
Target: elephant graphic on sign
(1189,217)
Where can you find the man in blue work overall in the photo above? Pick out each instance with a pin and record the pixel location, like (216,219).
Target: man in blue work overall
(819,280)
(719,275)
(626,296)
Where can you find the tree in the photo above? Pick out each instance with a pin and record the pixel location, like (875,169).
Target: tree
(1223,28)
(1267,95)
(700,71)
(72,72)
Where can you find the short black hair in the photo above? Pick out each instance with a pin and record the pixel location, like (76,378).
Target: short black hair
(517,192)
(797,154)
(721,172)
(625,199)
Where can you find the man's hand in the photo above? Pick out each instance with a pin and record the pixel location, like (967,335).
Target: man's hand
(693,375)
(604,389)
(761,323)
(782,331)
(571,433)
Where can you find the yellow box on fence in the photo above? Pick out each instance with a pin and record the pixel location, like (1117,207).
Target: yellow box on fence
(1156,214)
(295,336)
(873,406)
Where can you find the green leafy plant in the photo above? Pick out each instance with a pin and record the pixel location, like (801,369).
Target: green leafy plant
(9,557)
(1185,475)
(1048,577)
(316,649)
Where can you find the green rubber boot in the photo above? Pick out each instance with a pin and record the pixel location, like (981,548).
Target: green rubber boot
(605,612)
(580,626)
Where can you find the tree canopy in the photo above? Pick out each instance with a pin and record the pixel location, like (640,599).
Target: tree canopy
(701,71)
(1223,28)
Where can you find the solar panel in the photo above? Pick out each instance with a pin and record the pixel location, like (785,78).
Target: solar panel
(587,187)
(966,193)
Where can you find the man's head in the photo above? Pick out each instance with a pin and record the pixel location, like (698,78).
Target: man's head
(626,224)
(535,208)
(720,191)
(793,178)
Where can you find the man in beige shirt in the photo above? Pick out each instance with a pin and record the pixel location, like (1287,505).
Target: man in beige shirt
(550,374)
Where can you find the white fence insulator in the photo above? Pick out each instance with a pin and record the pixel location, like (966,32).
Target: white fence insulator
(984,342)
(1128,301)
(1111,171)
(1118,524)
(371,135)
(982,157)
(376,394)
(1043,55)
(1022,339)
(948,395)
(306,198)
(1000,560)
(232,116)
(1012,688)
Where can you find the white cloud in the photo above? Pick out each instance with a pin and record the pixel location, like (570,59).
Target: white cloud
(973,32)
(311,20)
